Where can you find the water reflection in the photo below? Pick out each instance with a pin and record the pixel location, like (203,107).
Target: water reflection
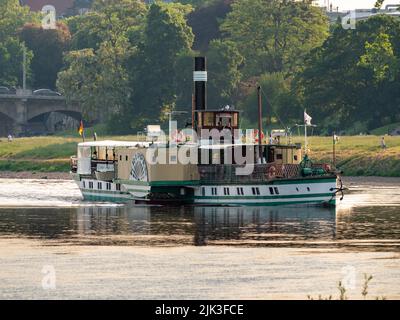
(171,226)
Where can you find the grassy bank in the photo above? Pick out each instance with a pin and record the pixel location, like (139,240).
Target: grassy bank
(359,155)
(356,155)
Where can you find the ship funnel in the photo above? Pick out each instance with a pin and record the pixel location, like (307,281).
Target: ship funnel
(200,82)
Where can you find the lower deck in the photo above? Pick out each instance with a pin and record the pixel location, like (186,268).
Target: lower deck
(313,191)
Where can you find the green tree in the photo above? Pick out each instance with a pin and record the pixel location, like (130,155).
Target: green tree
(107,20)
(12,18)
(97,71)
(224,61)
(205,22)
(167,38)
(48,47)
(97,79)
(354,76)
(281,108)
(379,58)
(11,57)
(275,35)
(379,3)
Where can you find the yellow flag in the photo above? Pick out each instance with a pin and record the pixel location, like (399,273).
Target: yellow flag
(80,130)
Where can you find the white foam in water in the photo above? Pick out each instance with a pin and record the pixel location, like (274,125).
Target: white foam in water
(40,193)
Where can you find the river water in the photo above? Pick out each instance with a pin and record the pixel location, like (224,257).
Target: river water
(53,245)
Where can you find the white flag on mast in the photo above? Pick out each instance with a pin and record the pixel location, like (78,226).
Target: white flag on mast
(307,119)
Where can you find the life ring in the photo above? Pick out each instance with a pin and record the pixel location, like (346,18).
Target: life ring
(177,136)
(327,168)
(256,136)
(271,172)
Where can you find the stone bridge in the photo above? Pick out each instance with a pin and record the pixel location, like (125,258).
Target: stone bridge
(27,114)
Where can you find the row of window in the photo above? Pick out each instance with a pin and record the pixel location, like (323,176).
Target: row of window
(120,158)
(240,192)
(100,185)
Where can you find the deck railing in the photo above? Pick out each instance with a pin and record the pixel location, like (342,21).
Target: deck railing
(260,172)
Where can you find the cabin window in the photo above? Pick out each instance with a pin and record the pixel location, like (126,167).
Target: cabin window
(108,185)
(297,189)
(120,158)
(208,118)
(99,185)
(308,189)
(118,187)
(214,191)
(295,158)
(226,191)
(240,191)
(271,190)
(203,191)
(279,156)
(224,120)
(90,185)
(258,191)
(126,158)
(84,184)
(276,190)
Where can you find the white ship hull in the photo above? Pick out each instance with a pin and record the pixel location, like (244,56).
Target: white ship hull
(306,191)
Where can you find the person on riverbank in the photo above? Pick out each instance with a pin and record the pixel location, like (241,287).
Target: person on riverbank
(10,138)
(383,144)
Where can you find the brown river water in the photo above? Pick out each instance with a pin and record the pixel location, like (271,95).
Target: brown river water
(53,245)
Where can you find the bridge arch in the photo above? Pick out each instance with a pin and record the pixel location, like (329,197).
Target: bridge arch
(6,124)
(72,111)
(73,114)
(9,109)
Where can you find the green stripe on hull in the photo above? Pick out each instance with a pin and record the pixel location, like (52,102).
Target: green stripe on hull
(283,203)
(316,195)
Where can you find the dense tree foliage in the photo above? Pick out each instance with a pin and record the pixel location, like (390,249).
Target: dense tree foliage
(130,63)
(12,18)
(166,38)
(353,79)
(48,47)
(205,21)
(97,73)
(224,72)
(274,35)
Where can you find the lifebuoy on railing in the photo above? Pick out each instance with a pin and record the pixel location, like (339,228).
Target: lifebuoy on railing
(256,136)
(327,168)
(177,136)
(271,172)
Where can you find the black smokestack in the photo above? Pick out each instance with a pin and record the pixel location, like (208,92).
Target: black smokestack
(200,82)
